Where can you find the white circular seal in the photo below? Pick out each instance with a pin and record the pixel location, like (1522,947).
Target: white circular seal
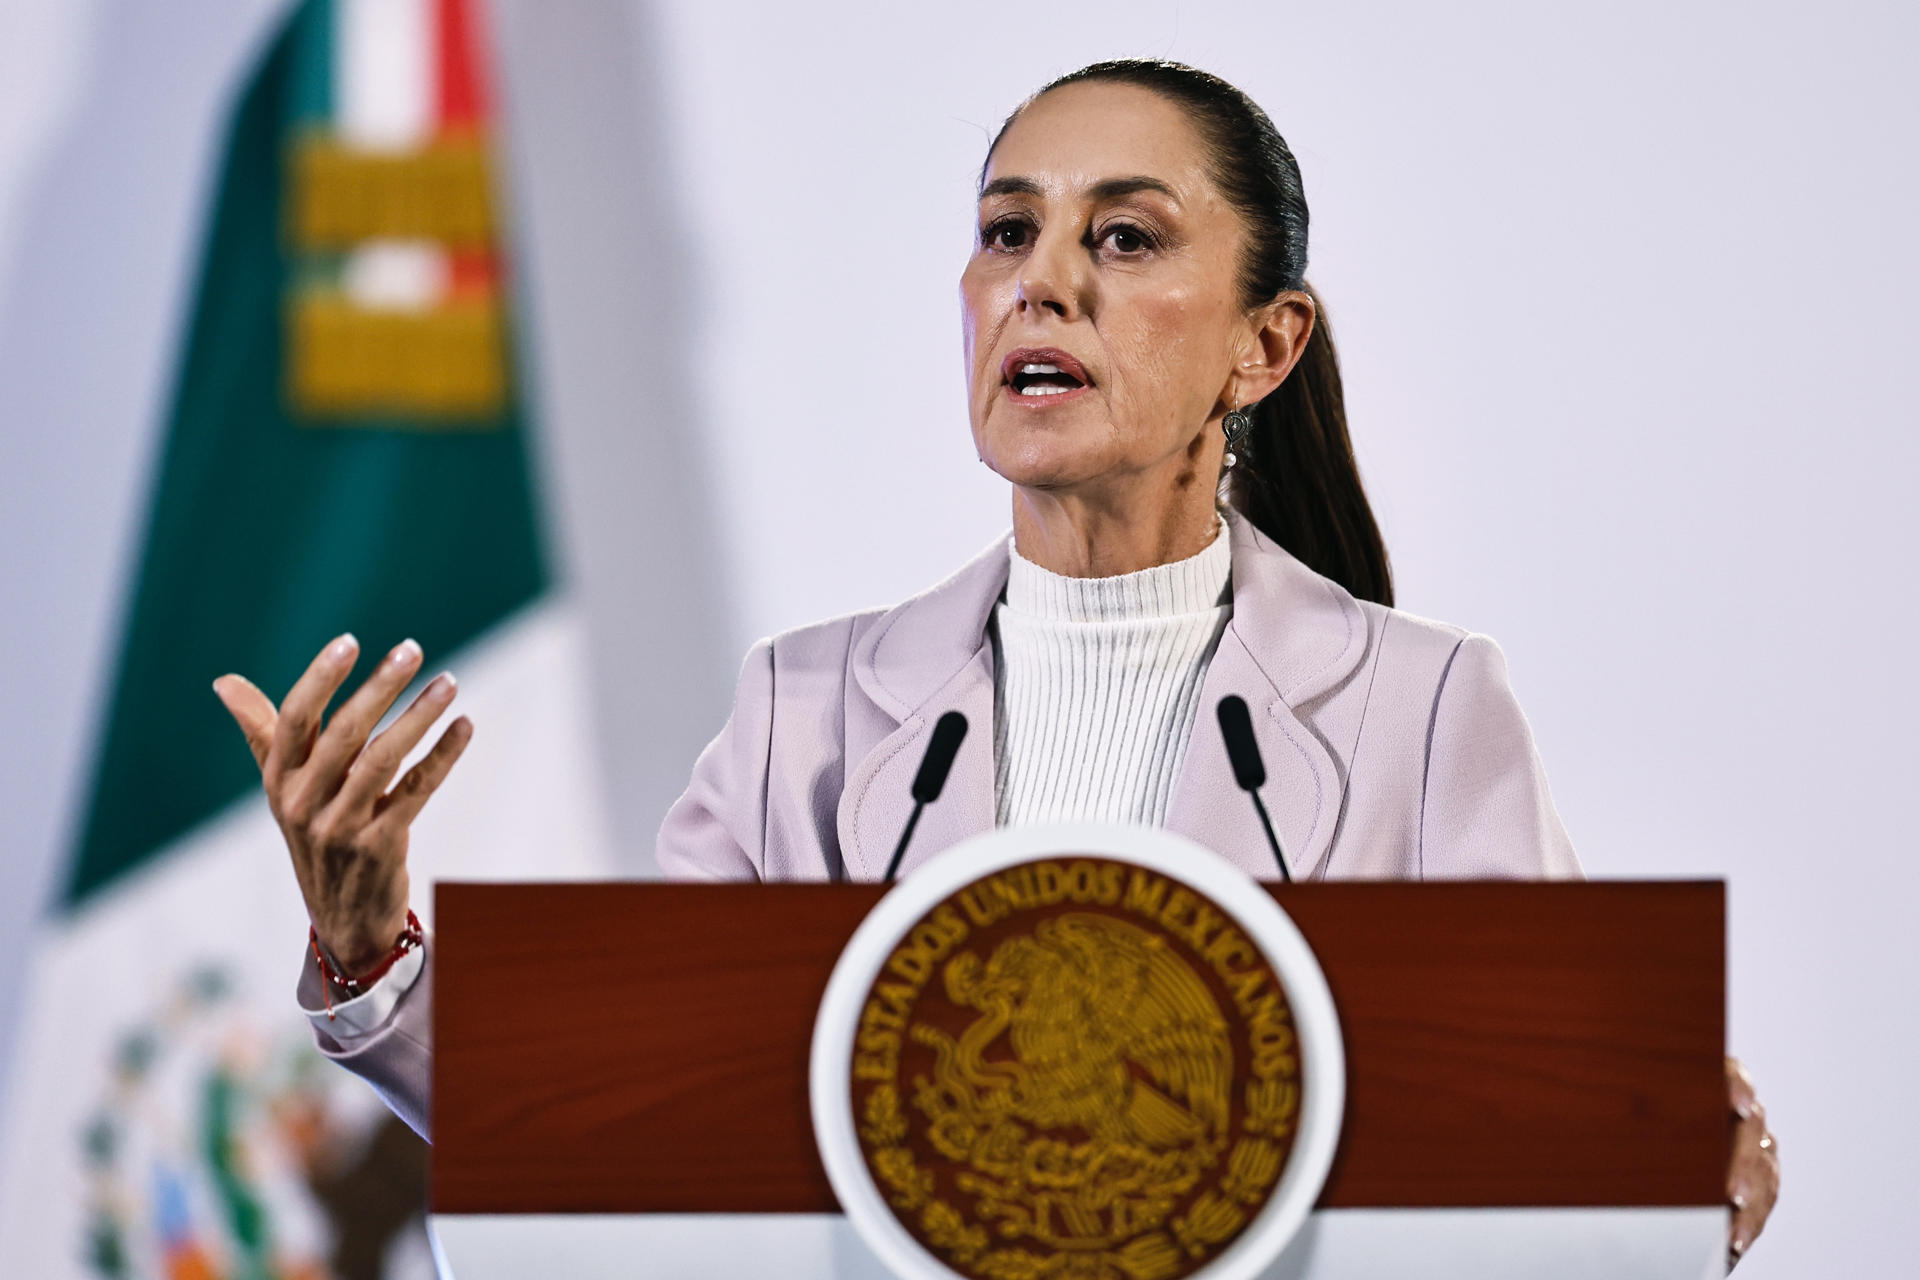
(1252,908)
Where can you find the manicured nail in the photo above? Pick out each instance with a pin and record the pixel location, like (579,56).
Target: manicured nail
(1744,1110)
(1739,1245)
(343,647)
(442,683)
(1739,1200)
(404,652)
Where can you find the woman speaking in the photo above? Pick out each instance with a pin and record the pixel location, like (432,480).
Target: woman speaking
(1150,372)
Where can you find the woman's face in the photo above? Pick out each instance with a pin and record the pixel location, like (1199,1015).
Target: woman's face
(1101,304)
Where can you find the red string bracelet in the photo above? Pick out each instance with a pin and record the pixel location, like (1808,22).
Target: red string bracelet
(410,937)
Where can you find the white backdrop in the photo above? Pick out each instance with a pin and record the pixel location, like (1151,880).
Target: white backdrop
(1624,296)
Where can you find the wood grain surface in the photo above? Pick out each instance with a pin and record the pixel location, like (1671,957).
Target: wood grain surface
(637,1047)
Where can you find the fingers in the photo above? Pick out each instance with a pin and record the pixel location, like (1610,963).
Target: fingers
(375,767)
(1753,1176)
(299,721)
(399,807)
(1753,1186)
(346,733)
(1740,1095)
(252,710)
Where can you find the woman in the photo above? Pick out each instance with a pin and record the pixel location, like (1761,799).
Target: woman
(1140,339)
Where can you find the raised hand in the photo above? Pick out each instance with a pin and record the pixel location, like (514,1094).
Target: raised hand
(329,789)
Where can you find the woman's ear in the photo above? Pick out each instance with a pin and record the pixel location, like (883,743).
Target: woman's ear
(1278,337)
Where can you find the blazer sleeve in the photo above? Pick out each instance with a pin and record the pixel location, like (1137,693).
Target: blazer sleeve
(717,829)
(396,1057)
(1485,809)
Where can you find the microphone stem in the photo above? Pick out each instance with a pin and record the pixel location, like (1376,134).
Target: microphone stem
(901,848)
(1273,841)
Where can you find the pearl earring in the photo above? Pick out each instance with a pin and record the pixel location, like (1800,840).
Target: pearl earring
(1236,424)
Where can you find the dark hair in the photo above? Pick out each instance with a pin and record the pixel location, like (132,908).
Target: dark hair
(1297,480)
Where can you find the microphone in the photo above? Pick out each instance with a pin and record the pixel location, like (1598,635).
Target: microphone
(1236,727)
(941,749)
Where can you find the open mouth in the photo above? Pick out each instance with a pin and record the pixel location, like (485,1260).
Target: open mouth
(1043,380)
(1036,374)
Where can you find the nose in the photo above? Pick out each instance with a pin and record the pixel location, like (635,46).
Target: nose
(1051,278)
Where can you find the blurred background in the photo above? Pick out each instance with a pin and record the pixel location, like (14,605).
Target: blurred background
(591,341)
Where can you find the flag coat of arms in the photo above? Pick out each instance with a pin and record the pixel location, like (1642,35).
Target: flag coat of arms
(348,447)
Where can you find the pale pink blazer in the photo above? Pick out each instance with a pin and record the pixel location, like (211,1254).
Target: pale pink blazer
(1394,749)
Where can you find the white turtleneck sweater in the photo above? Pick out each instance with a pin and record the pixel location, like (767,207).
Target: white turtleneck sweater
(1096,684)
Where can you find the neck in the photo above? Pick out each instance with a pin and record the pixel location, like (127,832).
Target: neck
(1080,535)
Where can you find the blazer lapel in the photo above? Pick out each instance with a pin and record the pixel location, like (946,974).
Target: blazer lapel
(1293,636)
(921,659)
(878,800)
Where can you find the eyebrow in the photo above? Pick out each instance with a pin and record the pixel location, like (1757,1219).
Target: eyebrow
(1105,189)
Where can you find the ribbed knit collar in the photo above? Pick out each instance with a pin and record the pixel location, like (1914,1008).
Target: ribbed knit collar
(1193,585)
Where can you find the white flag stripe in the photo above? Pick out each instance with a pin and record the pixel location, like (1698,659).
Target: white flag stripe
(385,72)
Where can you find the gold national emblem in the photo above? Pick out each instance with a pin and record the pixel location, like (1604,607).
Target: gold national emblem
(1076,1070)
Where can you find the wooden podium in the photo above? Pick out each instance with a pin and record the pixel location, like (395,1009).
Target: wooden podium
(1535,1081)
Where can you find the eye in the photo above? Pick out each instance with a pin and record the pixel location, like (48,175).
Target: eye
(1010,232)
(1126,238)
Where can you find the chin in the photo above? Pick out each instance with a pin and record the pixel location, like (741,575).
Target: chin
(1045,454)
(1041,465)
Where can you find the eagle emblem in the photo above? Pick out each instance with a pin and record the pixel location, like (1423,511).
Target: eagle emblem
(1069,1088)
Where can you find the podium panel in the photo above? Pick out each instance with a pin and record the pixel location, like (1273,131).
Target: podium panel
(1534,1073)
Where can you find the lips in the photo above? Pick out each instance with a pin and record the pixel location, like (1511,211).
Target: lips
(1039,374)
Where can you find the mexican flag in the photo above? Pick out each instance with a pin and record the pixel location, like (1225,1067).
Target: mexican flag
(348,448)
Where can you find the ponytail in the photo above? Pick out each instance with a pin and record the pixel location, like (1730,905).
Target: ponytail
(1297,481)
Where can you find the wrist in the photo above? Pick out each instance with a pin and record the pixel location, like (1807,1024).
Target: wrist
(356,961)
(351,979)
(355,950)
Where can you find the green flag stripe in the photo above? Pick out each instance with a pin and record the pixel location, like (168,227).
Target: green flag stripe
(310,51)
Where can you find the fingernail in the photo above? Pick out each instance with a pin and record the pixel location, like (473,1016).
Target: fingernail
(443,683)
(404,652)
(1739,1200)
(1739,1245)
(344,646)
(1744,1110)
